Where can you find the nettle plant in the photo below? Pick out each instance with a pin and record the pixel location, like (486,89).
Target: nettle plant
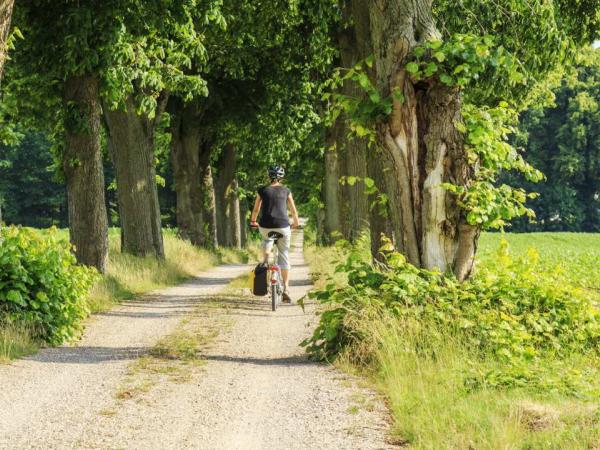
(458,62)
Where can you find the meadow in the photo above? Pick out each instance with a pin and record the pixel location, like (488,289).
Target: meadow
(451,386)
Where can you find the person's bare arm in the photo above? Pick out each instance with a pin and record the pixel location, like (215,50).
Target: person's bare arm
(292,205)
(255,211)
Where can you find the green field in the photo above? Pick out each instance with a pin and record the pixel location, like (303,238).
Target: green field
(577,254)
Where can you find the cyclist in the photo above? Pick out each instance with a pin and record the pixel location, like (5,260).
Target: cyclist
(272,202)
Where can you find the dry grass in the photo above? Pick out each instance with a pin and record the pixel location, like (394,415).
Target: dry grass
(129,275)
(175,357)
(16,342)
(322,262)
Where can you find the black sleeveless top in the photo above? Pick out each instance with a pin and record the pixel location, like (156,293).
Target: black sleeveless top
(273,211)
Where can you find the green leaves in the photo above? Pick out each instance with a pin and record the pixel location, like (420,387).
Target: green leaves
(363,111)
(512,310)
(486,139)
(41,284)
(412,68)
(485,71)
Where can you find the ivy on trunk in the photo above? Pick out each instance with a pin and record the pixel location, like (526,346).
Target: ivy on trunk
(82,166)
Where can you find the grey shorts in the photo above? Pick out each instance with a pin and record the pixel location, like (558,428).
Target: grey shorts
(283,245)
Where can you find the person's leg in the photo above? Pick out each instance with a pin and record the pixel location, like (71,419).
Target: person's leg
(285,276)
(283,258)
(266,243)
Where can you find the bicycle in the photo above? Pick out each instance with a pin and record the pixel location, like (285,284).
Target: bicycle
(276,286)
(274,272)
(276,282)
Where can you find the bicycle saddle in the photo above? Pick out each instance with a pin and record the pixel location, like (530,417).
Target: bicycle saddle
(275,235)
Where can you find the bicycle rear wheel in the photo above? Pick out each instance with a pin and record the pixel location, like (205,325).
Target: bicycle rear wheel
(274,297)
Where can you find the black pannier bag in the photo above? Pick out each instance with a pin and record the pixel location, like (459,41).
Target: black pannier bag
(261,284)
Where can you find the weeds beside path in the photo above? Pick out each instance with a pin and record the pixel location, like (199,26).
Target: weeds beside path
(128,276)
(60,389)
(197,370)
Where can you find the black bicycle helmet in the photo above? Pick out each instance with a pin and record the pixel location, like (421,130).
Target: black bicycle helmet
(276,172)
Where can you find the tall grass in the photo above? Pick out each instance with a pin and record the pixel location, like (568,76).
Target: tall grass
(424,370)
(130,275)
(421,372)
(16,341)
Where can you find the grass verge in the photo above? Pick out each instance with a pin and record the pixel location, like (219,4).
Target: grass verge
(130,276)
(16,342)
(424,371)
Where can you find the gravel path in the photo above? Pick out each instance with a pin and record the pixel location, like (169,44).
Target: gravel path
(255,390)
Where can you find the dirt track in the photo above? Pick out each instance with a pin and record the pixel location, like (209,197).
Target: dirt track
(255,390)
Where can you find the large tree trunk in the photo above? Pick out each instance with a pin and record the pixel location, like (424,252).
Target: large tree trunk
(332,228)
(380,224)
(132,140)
(6,7)
(234,224)
(227,201)
(353,151)
(189,163)
(82,166)
(421,144)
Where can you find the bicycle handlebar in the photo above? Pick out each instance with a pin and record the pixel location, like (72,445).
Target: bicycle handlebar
(299,227)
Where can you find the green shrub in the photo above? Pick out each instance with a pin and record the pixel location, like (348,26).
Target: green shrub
(510,310)
(41,285)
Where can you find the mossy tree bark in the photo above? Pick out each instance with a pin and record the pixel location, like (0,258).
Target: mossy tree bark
(331,218)
(210,211)
(132,141)
(190,160)
(83,169)
(352,152)
(227,201)
(421,144)
(243,221)
(6,8)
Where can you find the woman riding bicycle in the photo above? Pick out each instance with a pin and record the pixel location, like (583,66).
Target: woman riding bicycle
(272,202)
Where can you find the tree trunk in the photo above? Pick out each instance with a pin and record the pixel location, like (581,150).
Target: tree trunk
(132,140)
(188,169)
(353,151)
(420,144)
(331,187)
(379,218)
(210,211)
(82,166)
(234,224)
(227,202)
(6,7)
(244,221)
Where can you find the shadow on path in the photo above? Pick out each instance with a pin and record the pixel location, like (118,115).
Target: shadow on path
(285,361)
(88,355)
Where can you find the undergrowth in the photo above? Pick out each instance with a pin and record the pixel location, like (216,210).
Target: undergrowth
(128,276)
(505,360)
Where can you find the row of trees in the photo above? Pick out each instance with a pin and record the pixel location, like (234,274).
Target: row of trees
(204,85)
(407,139)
